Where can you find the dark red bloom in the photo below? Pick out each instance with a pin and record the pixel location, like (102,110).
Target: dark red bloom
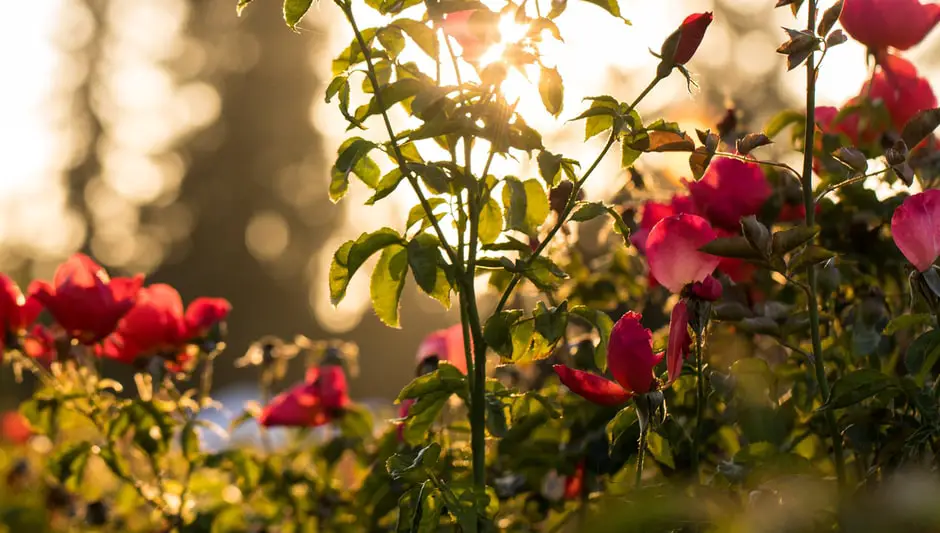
(313,403)
(155,325)
(14,428)
(729,190)
(631,361)
(879,24)
(16,311)
(902,90)
(708,289)
(84,300)
(203,314)
(691,33)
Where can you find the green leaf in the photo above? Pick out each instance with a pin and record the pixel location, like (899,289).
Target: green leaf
(527,345)
(294,10)
(421,34)
(491,222)
(242,4)
(552,90)
(353,158)
(908,321)
(422,414)
(610,6)
(920,126)
(497,331)
(811,255)
(352,254)
(391,94)
(391,40)
(526,203)
(549,167)
(624,419)
(426,262)
(620,227)
(604,325)
(922,354)
(628,155)
(386,185)
(660,449)
(446,379)
(736,247)
(355,422)
(68,466)
(857,386)
(496,420)
(432,507)
(551,323)
(418,214)
(386,7)
(414,467)
(781,120)
(588,210)
(788,240)
(388,280)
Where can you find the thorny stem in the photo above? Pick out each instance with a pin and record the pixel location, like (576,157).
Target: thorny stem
(572,200)
(810,205)
(346,7)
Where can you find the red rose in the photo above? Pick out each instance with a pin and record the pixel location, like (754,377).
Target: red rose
(574,484)
(709,289)
(446,345)
(915,227)
(729,190)
(473,29)
(154,326)
(880,24)
(672,251)
(16,311)
(691,33)
(313,403)
(40,344)
(84,300)
(680,342)
(898,85)
(203,314)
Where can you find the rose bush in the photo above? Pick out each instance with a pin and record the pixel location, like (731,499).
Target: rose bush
(756,352)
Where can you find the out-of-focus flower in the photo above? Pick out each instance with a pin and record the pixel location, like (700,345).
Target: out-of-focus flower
(902,90)
(915,227)
(880,24)
(574,484)
(84,300)
(16,311)
(14,428)
(691,33)
(40,344)
(474,29)
(203,314)
(445,345)
(672,250)
(708,289)
(729,190)
(631,361)
(315,402)
(403,413)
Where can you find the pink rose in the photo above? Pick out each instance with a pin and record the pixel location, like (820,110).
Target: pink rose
(672,250)
(729,190)
(446,345)
(902,90)
(915,227)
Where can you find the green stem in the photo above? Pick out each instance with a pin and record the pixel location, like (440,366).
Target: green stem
(393,139)
(810,205)
(699,403)
(572,201)
(641,455)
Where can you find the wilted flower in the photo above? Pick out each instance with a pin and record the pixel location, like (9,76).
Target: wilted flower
(672,250)
(631,360)
(315,402)
(915,227)
(84,300)
(879,24)
(729,190)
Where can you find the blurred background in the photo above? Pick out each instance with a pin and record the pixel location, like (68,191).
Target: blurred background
(174,138)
